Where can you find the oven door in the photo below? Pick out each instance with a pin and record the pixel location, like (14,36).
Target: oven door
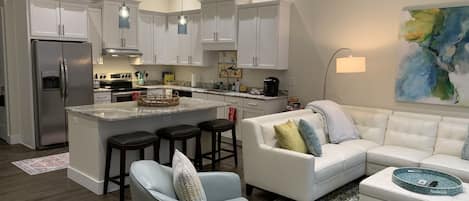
(126,96)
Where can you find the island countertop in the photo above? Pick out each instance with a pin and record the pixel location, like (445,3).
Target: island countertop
(130,110)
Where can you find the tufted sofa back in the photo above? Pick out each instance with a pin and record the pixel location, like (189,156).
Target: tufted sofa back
(452,133)
(370,122)
(412,130)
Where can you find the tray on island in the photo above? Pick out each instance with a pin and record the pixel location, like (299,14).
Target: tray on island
(428,182)
(158,101)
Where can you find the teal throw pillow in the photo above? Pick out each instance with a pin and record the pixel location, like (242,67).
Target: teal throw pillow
(310,137)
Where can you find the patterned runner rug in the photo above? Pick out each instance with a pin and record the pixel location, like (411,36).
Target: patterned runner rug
(45,164)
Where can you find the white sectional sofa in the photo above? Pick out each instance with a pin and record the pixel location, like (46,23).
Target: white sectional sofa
(388,138)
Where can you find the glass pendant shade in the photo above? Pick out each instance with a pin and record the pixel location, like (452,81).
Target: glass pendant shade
(124,17)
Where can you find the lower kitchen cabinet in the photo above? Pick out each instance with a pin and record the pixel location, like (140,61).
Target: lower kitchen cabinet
(102,97)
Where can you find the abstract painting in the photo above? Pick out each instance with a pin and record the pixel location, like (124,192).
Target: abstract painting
(434,62)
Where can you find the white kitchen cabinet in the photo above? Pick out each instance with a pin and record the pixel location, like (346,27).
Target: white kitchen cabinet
(113,36)
(54,19)
(44,18)
(74,20)
(102,97)
(159,39)
(95,34)
(146,38)
(172,37)
(264,33)
(196,56)
(219,25)
(199,95)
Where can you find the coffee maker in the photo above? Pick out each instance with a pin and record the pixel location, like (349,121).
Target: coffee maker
(271,86)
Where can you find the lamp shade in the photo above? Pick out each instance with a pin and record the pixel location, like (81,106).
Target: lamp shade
(351,65)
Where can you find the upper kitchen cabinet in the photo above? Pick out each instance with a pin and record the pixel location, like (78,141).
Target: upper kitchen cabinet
(95,33)
(113,36)
(58,20)
(151,37)
(264,34)
(219,25)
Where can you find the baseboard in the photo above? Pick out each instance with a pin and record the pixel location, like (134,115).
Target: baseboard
(88,182)
(14,139)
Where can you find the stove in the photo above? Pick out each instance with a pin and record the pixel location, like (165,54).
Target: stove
(122,90)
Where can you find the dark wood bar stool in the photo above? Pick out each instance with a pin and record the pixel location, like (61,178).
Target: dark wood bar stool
(182,133)
(124,142)
(216,127)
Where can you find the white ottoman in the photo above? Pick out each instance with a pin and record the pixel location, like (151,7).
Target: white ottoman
(379,187)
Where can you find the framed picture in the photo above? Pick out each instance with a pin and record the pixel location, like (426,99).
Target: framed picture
(227,61)
(434,60)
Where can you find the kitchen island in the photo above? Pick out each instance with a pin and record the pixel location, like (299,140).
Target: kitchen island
(90,126)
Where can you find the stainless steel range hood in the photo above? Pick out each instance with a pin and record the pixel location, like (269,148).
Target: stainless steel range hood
(122,52)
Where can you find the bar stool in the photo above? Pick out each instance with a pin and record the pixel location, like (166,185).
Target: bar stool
(182,133)
(131,141)
(216,127)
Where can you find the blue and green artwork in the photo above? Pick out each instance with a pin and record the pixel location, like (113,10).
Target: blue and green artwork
(434,63)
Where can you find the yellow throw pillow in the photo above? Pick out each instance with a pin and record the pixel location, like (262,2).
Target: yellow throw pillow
(289,137)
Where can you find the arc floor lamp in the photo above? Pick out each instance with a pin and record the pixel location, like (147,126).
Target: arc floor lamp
(348,64)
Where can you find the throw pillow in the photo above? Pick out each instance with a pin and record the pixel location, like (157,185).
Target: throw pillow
(310,137)
(465,149)
(186,182)
(289,138)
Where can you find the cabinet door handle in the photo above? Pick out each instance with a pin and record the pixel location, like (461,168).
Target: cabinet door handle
(253,61)
(190,59)
(177,59)
(214,36)
(252,104)
(63,30)
(125,42)
(154,58)
(59,29)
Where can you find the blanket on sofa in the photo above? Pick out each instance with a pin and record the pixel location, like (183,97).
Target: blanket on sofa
(339,125)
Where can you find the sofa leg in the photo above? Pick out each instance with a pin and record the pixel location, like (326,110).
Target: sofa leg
(249,189)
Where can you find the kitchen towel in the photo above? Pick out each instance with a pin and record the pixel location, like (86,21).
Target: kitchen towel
(135,95)
(232,114)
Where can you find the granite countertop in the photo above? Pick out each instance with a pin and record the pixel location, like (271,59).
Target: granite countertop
(228,93)
(130,110)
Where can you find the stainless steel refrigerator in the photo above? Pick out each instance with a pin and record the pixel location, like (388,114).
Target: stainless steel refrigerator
(63,76)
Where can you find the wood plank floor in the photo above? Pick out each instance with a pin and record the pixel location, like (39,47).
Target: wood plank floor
(16,185)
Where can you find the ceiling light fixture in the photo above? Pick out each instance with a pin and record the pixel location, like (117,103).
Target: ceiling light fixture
(182,18)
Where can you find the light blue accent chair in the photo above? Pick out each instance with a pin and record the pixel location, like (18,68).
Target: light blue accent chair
(150,181)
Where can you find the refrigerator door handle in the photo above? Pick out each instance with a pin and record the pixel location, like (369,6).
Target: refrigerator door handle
(62,80)
(66,78)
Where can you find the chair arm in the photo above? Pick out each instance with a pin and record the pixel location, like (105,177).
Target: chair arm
(221,185)
(277,170)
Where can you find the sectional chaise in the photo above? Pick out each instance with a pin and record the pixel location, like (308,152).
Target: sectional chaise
(388,138)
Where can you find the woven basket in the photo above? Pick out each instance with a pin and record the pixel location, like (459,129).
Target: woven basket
(158,101)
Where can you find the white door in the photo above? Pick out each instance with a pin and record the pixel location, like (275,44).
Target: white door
(159,39)
(226,15)
(172,41)
(196,55)
(45,18)
(145,38)
(131,35)
(247,38)
(111,32)
(267,37)
(95,34)
(209,25)
(74,20)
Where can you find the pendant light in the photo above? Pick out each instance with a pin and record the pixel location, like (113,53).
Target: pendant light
(182,18)
(124,14)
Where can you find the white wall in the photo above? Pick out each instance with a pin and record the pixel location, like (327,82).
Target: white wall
(370,28)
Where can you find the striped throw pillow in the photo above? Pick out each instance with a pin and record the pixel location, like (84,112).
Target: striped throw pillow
(186,182)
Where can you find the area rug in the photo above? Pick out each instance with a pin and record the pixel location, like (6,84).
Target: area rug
(45,164)
(349,192)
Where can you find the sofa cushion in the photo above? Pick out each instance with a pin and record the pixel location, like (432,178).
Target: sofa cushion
(289,137)
(449,164)
(267,124)
(363,145)
(396,156)
(335,159)
(411,132)
(450,138)
(370,122)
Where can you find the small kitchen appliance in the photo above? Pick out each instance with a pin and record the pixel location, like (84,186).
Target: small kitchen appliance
(271,86)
